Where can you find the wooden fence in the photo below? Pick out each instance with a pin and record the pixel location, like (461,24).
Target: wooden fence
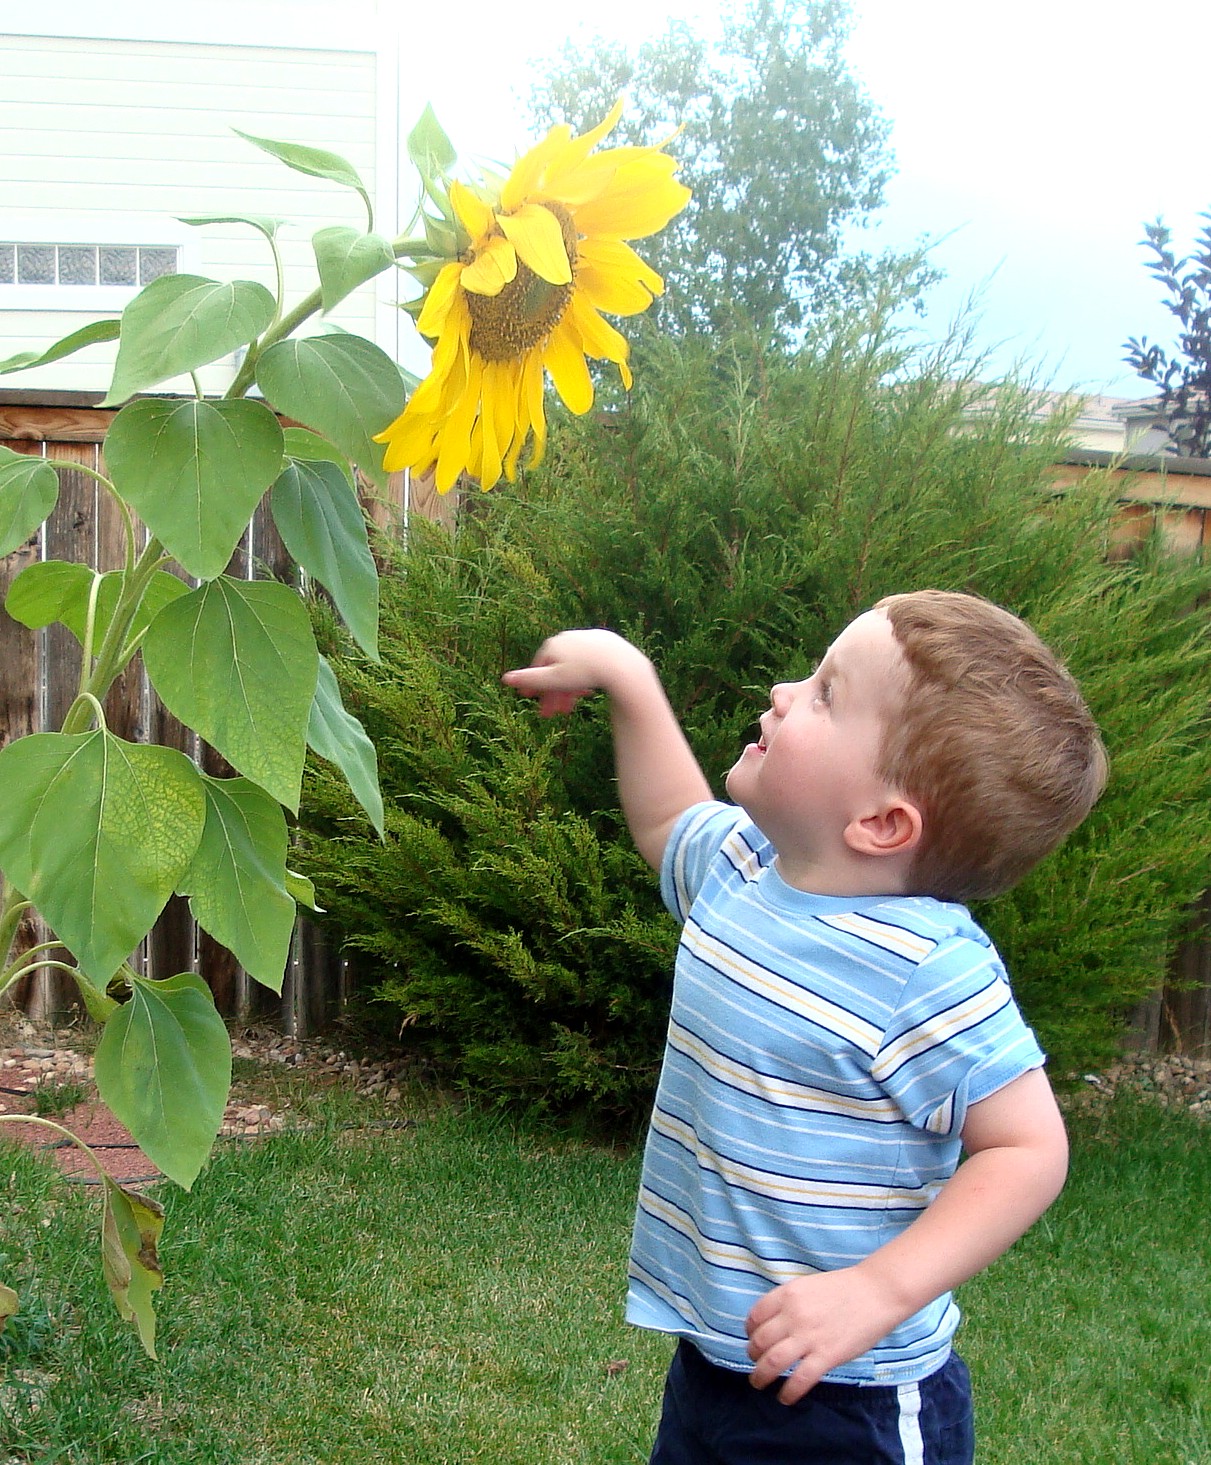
(39,674)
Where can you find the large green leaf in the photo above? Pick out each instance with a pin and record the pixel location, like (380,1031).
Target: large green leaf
(163,1066)
(347,258)
(97,832)
(89,335)
(336,735)
(181,322)
(236,661)
(343,386)
(59,590)
(321,523)
(237,882)
(194,472)
(29,487)
(130,1257)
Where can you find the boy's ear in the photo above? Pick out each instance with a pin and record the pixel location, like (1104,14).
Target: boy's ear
(893,829)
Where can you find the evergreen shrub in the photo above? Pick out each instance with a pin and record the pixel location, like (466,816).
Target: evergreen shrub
(731,517)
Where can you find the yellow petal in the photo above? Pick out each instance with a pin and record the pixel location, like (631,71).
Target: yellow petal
(492,268)
(490,456)
(598,337)
(577,149)
(614,278)
(535,233)
(528,169)
(437,301)
(641,200)
(473,213)
(565,361)
(455,446)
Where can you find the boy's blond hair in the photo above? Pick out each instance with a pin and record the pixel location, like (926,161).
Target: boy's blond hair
(993,742)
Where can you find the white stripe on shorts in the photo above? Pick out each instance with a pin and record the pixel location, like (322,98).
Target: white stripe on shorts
(911,1442)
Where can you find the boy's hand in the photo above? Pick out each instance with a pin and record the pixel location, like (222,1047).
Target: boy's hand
(572,665)
(818,1323)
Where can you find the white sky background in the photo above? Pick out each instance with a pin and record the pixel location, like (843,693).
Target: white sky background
(1031,140)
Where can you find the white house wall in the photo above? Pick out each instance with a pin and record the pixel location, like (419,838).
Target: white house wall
(111,141)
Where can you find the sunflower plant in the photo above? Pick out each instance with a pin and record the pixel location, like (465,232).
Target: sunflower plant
(96,832)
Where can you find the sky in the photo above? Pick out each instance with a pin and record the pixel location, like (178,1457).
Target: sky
(1031,143)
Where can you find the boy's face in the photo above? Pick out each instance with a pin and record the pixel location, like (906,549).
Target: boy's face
(813,770)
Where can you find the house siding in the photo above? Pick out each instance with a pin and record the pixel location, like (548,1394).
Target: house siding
(112,141)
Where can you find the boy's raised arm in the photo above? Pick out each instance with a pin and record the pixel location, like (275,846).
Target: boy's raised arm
(658,775)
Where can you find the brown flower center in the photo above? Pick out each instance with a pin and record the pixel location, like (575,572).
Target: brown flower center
(505,326)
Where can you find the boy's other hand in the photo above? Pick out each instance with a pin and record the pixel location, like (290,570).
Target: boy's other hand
(815,1324)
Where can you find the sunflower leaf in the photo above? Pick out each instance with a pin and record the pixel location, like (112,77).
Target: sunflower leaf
(89,335)
(341,386)
(336,735)
(315,162)
(97,832)
(321,523)
(429,148)
(237,881)
(194,472)
(181,322)
(248,682)
(59,590)
(347,258)
(130,1236)
(29,490)
(163,1066)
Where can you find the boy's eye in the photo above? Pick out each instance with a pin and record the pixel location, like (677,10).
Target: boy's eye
(824,694)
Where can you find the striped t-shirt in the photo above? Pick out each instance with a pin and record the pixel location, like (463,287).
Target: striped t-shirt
(822,1054)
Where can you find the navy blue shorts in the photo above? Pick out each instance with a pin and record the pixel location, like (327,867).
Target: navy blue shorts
(714,1416)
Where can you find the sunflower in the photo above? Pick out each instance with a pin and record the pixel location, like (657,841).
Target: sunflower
(544,259)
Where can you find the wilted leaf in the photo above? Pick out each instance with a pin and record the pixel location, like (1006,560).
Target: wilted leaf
(10,1304)
(247,680)
(97,832)
(163,1065)
(237,882)
(130,1237)
(335,734)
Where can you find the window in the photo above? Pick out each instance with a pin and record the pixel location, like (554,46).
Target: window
(130,265)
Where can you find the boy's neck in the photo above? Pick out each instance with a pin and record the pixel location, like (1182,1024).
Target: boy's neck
(860,880)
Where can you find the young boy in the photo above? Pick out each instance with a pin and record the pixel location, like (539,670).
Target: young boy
(840,1026)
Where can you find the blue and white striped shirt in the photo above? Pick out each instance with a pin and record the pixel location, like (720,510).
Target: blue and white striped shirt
(822,1054)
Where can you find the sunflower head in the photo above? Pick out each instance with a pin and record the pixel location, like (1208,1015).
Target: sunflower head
(543,258)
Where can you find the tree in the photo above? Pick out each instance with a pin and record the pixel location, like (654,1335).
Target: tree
(777,141)
(1184,376)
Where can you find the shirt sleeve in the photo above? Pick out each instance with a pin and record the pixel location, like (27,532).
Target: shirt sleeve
(956,1037)
(695,840)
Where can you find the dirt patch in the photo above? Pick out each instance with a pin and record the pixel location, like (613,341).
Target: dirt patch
(49,1072)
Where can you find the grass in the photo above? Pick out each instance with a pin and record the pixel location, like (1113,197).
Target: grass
(451,1292)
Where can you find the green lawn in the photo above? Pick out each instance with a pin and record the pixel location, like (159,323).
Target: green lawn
(451,1292)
